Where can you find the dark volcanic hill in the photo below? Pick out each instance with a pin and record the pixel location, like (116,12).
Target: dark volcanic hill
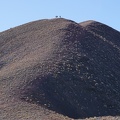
(54,68)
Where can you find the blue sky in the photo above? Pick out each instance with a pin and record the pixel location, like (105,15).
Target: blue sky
(16,12)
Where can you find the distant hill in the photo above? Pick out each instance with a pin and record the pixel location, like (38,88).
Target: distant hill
(55,69)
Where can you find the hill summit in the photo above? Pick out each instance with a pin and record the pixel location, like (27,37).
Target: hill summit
(53,68)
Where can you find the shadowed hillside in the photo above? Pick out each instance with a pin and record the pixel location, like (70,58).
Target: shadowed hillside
(54,68)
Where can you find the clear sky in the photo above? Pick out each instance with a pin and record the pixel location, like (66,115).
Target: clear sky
(16,12)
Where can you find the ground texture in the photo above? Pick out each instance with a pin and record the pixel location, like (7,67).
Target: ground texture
(58,69)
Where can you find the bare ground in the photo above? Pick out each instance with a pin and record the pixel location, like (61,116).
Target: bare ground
(60,70)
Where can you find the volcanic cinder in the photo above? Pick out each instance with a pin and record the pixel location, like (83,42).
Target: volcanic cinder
(55,69)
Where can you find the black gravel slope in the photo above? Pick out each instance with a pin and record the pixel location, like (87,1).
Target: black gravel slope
(62,66)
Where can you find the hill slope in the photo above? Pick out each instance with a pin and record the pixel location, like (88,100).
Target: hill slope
(62,66)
